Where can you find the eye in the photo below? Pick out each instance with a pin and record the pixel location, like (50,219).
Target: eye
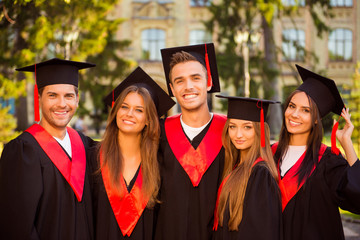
(232,127)
(124,107)
(139,110)
(248,127)
(306,110)
(291,106)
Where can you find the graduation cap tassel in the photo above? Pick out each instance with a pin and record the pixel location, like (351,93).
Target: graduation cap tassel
(36,101)
(262,127)
(334,149)
(112,102)
(209,81)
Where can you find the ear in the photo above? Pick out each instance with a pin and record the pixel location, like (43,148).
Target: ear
(209,84)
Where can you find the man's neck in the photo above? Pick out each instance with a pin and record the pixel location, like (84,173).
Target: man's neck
(196,119)
(55,132)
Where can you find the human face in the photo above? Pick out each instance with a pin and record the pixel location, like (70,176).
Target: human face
(298,119)
(241,133)
(131,117)
(58,103)
(189,85)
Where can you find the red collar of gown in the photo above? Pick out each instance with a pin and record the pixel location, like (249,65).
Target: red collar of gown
(129,207)
(195,162)
(289,183)
(74,170)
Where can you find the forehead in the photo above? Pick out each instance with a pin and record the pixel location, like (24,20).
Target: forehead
(134,98)
(300,98)
(187,68)
(239,121)
(60,88)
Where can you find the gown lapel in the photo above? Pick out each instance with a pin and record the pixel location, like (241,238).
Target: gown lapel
(289,183)
(74,170)
(128,207)
(195,162)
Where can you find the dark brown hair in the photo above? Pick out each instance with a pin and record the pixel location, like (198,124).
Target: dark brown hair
(111,152)
(313,142)
(182,57)
(238,180)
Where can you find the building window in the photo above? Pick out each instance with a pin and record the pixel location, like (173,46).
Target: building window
(200,3)
(293,44)
(152,40)
(341,3)
(199,37)
(340,45)
(293,2)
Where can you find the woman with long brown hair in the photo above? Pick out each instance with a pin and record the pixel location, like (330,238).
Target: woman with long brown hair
(248,205)
(315,180)
(127,181)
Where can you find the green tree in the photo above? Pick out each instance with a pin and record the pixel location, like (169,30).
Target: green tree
(37,30)
(230,16)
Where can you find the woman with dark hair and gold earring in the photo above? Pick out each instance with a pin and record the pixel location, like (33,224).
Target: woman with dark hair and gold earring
(315,180)
(248,204)
(127,182)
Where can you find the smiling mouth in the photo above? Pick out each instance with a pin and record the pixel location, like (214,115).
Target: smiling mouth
(189,96)
(128,122)
(292,123)
(60,112)
(239,142)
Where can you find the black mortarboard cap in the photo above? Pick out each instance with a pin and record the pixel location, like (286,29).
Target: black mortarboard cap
(140,78)
(56,71)
(204,53)
(246,108)
(322,90)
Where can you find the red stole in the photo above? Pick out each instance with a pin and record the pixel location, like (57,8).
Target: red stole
(129,207)
(195,162)
(216,217)
(73,171)
(289,183)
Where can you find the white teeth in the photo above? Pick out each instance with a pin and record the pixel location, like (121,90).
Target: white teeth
(189,96)
(294,123)
(61,113)
(128,122)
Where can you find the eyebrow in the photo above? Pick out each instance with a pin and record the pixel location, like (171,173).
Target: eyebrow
(300,106)
(192,75)
(135,106)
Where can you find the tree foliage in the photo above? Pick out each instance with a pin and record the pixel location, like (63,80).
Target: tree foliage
(230,16)
(37,30)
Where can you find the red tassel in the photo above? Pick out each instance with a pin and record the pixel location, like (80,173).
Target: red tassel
(36,101)
(262,127)
(36,104)
(334,149)
(112,103)
(209,81)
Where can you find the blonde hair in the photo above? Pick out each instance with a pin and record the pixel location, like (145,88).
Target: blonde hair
(233,191)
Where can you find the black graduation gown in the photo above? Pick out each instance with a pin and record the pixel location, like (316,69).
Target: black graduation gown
(106,226)
(36,201)
(262,217)
(313,212)
(186,212)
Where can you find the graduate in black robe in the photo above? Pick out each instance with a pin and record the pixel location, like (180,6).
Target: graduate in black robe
(318,181)
(45,192)
(250,184)
(129,214)
(190,145)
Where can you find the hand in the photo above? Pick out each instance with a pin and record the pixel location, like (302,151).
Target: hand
(344,135)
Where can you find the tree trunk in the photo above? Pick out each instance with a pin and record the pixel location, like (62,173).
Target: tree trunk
(275,116)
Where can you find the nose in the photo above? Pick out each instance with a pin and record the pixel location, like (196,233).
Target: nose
(130,112)
(295,113)
(62,102)
(189,84)
(239,133)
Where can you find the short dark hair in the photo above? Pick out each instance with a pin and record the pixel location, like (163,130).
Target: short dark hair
(181,57)
(41,90)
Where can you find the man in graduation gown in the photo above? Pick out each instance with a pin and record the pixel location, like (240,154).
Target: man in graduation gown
(190,145)
(44,178)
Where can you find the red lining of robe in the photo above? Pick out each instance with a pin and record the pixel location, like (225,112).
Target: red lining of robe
(289,183)
(74,170)
(128,208)
(195,162)
(216,218)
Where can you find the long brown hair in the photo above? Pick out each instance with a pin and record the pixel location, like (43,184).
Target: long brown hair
(111,152)
(238,180)
(313,142)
